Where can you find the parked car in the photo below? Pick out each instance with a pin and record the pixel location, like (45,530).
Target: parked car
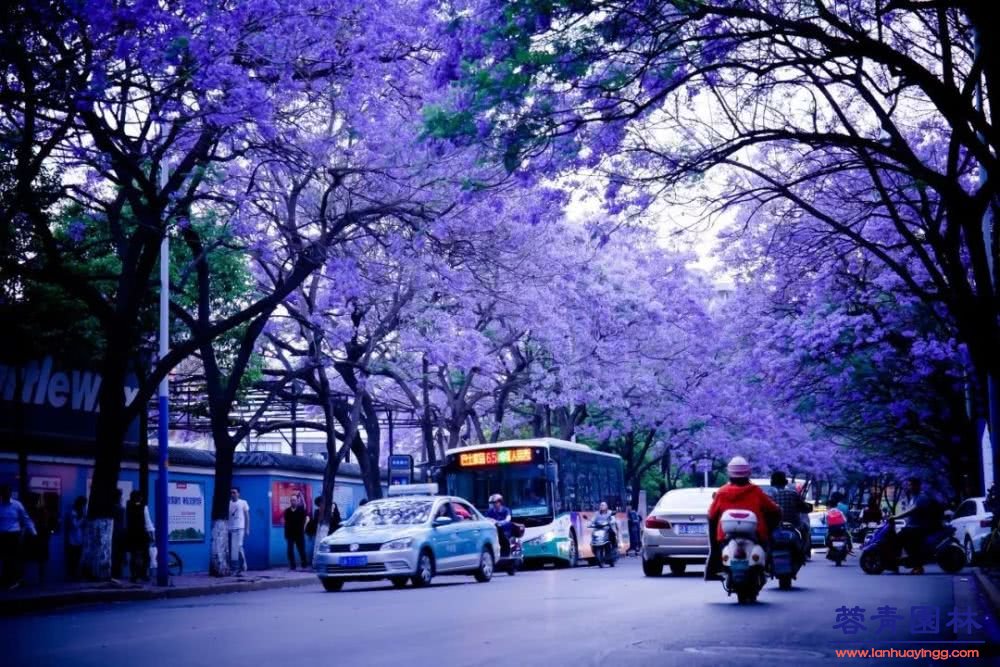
(817,529)
(409,538)
(972,526)
(676,531)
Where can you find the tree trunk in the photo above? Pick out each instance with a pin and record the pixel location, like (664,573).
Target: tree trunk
(219,563)
(225,452)
(426,427)
(96,559)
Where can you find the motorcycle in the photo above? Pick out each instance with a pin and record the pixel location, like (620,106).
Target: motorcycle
(743,559)
(600,542)
(883,551)
(786,555)
(511,552)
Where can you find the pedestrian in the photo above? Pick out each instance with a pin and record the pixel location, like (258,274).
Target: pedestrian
(138,536)
(295,531)
(239,530)
(73,526)
(37,546)
(14,522)
(118,537)
(634,531)
(335,519)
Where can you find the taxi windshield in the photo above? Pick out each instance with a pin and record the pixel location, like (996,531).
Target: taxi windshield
(391,513)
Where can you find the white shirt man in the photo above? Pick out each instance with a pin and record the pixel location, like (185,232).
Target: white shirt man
(239,529)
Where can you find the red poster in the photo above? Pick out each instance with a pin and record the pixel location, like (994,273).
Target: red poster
(281,499)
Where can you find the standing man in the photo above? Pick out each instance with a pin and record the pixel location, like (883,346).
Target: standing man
(14,520)
(295,531)
(138,537)
(239,530)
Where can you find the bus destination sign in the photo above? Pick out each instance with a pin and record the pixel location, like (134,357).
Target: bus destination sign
(495,457)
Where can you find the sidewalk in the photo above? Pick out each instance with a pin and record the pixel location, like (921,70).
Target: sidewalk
(31,597)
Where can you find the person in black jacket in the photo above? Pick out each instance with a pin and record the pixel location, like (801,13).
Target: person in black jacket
(295,531)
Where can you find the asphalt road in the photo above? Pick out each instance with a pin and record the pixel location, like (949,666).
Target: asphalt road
(585,616)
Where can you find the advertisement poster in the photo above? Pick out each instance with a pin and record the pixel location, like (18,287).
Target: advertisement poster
(281,498)
(186,511)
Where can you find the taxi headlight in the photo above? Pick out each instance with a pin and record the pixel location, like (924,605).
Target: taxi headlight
(398,545)
(324,548)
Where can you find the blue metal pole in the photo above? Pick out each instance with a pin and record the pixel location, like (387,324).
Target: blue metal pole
(162,441)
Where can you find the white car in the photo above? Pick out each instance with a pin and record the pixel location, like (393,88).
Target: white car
(676,531)
(972,526)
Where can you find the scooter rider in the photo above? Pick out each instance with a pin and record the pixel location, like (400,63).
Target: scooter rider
(792,508)
(922,518)
(606,516)
(501,516)
(738,494)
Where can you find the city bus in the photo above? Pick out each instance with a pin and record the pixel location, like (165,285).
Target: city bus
(552,487)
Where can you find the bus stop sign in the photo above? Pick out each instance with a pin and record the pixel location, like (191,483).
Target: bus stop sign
(400,469)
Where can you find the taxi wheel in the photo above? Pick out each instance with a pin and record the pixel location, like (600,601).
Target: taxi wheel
(332,585)
(398,582)
(485,571)
(425,571)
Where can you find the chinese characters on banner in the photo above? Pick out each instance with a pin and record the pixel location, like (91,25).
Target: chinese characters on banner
(185,512)
(281,498)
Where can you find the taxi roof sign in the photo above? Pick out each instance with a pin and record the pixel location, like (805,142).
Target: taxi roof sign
(413,490)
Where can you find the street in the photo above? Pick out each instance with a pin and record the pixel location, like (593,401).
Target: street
(586,616)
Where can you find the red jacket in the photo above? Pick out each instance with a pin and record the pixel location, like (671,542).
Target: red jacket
(749,497)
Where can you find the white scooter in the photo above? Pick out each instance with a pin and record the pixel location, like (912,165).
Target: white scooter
(743,559)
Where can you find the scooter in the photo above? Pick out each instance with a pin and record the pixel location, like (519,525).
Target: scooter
(786,555)
(512,555)
(743,559)
(838,544)
(600,542)
(882,550)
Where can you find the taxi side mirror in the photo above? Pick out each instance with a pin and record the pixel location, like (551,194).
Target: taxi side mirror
(442,521)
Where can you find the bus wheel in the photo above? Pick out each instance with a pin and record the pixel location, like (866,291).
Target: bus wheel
(574,553)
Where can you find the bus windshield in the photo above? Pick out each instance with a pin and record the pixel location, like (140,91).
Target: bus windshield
(523,488)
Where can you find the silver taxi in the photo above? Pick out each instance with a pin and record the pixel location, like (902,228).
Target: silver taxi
(408,538)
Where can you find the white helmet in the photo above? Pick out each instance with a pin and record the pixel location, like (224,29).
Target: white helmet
(738,468)
(495,497)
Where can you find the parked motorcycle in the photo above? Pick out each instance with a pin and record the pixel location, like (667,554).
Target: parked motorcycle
(786,555)
(883,550)
(511,552)
(743,559)
(600,541)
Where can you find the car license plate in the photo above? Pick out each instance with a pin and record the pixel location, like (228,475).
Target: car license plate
(838,545)
(353,561)
(692,529)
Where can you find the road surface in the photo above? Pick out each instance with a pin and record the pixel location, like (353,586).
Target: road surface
(584,616)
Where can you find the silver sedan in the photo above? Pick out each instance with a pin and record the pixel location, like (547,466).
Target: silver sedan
(411,538)
(676,531)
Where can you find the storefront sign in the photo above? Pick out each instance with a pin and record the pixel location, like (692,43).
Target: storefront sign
(186,511)
(44,399)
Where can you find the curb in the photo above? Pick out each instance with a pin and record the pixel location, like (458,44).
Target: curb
(67,599)
(991,589)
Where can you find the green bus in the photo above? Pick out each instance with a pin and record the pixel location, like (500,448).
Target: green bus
(552,487)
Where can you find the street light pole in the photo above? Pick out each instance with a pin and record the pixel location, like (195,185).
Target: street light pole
(162,575)
(989,454)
